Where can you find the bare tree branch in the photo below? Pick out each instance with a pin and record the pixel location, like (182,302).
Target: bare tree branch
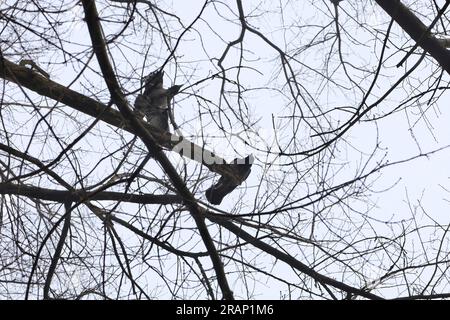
(81,195)
(417,30)
(99,45)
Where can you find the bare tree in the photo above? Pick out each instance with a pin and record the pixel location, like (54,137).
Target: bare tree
(265,183)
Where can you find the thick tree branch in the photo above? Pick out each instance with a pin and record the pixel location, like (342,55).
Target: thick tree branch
(58,250)
(92,20)
(74,195)
(417,31)
(79,196)
(34,81)
(82,196)
(291,261)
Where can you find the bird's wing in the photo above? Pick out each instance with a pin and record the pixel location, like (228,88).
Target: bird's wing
(141,102)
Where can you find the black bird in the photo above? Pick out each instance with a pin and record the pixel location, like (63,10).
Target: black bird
(226,184)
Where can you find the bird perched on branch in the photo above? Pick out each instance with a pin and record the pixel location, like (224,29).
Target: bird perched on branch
(227,184)
(154,102)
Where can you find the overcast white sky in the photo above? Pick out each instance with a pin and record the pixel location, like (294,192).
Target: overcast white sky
(424,179)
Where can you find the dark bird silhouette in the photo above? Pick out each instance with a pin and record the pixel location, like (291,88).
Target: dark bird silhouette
(154,102)
(226,184)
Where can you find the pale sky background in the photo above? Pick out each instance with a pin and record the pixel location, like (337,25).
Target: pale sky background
(424,179)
